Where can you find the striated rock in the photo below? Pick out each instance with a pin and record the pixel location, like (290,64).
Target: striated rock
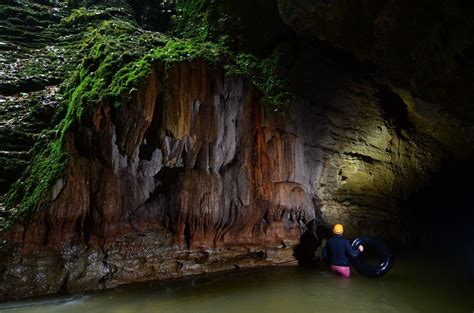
(193,176)
(186,178)
(38,50)
(22,118)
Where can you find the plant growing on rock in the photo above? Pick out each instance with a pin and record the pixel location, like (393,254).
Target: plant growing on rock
(108,57)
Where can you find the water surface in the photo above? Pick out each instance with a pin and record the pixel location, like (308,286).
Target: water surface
(411,286)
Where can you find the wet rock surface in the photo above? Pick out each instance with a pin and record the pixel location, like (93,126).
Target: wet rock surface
(168,186)
(22,118)
(31,65)
(195,174)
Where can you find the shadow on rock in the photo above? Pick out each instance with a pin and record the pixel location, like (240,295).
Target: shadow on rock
(308,251)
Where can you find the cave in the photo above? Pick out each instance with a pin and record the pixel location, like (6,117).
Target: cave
(432,229)
(162,141)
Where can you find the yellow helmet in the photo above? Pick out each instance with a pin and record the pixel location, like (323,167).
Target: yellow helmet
(338,229)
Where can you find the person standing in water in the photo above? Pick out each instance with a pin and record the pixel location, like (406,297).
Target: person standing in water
(338,249)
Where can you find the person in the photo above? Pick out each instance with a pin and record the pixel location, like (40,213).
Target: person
(337,250)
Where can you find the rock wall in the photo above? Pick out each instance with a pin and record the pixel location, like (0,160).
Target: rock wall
(187,178)
(27,81)
(371,144)
(193,175)
(421,46)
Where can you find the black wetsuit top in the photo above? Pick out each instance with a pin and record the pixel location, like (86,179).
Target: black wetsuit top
(338,250)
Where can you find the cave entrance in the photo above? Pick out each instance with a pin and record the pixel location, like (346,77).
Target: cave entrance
(439,217)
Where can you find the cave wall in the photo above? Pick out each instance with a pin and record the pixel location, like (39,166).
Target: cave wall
(381,144)
(187,178)
(195,174)
(422,51)
(422,46)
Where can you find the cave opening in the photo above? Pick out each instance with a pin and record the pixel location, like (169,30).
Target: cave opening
(439,216)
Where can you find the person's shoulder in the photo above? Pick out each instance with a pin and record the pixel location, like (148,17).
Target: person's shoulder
(335,239)
(341,239)
(331,239)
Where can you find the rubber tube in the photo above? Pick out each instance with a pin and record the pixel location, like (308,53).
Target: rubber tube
(383,251)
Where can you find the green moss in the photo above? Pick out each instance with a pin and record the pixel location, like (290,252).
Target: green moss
(202,20)
(45,65)
(117,62)
(192,19)
(208,21)
(46,167)
(116,56)
(265,74)
(80,15)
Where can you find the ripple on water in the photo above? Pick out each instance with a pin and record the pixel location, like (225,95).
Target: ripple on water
(410,287)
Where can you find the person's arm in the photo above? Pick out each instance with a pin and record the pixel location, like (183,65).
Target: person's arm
(353,252)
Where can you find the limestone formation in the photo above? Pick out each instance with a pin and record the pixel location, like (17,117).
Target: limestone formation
(195,173)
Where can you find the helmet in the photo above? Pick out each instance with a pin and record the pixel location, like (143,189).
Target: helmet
(338,229)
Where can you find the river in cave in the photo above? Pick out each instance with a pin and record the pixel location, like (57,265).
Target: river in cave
(143,139)
(413,285)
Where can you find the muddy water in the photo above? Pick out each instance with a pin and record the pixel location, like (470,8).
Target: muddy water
(412,286)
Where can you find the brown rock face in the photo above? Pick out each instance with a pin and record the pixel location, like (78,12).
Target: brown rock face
(186,178)
(192,176)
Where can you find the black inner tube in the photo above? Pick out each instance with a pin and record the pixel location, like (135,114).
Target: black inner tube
(383,252)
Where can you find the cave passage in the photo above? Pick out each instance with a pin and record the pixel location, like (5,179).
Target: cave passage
(439,217)
(162,141)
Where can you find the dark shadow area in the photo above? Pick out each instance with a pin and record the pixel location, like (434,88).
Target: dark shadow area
(167,178)
(152,135)
(310,241)
(370,256)
(153,14)
(394,109)
(440,217)
(255,25)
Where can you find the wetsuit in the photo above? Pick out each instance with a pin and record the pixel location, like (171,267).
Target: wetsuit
(337,250)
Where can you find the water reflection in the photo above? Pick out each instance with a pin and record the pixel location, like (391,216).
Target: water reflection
(410,287)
